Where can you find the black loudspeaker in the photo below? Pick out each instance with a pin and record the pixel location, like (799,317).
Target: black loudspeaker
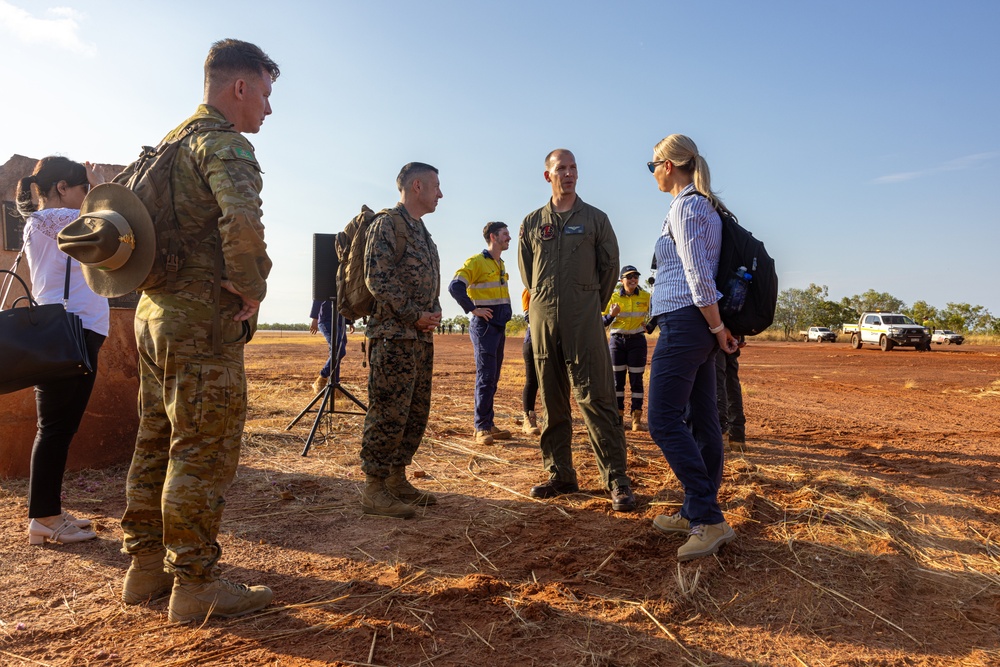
(325,266)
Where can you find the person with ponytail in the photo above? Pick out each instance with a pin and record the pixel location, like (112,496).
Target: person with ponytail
(58,185)
(683,418)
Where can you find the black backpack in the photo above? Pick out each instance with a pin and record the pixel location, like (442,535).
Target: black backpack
(741,249)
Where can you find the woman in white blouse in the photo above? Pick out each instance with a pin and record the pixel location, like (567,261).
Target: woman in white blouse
(59,186)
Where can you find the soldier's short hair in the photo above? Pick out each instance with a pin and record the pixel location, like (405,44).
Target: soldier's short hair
(229,57)
(410,172)
(493,228)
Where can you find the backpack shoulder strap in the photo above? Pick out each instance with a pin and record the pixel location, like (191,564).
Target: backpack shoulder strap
(401,232)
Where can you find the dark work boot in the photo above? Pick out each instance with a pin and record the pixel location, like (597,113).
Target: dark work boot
(552,488)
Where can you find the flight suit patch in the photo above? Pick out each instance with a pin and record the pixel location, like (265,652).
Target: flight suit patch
(548,232)
(573,229)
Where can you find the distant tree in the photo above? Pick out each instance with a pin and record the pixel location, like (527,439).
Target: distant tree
(296,326)
(875,301)
(799,308)
(516,325)
(967,318)
(851,313)
(923,313)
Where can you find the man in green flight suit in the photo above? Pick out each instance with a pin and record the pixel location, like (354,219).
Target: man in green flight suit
(568,257)
(191,333)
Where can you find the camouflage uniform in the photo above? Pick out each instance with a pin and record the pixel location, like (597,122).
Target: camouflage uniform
(401,358)
(569,263)
(192,402)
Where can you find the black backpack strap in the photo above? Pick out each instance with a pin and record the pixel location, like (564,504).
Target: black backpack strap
(66,285)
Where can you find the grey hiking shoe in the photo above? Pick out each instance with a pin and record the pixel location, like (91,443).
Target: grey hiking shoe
(145,579)
(376,499)
(705,540)
(399,487)
(672,523)
(197,601)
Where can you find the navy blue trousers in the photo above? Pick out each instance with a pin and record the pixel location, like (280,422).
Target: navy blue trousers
(628,356)
(341,333)
(487,344)
(682,373)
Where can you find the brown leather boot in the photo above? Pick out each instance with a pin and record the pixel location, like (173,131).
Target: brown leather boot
(637,424)
(376,499)
(531,423)
(399,487)
(145,579)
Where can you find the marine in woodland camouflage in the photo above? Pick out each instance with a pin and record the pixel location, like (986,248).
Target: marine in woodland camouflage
(401,359)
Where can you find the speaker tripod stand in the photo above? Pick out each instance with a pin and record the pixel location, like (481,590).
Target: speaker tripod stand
(327,397)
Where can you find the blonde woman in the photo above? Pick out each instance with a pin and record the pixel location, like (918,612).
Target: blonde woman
(682,372)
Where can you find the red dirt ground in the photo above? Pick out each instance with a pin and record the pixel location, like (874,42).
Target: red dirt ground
(866,513)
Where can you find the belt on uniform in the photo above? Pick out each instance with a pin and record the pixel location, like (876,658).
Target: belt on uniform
(621,335)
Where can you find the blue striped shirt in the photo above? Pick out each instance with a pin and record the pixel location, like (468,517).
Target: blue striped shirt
(687,255)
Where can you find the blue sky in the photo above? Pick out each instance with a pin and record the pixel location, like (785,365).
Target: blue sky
(859,140)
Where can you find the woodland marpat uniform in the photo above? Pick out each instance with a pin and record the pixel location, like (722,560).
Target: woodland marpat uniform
(401,358)
(193,400)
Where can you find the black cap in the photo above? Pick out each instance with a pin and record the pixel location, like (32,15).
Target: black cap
(627,269)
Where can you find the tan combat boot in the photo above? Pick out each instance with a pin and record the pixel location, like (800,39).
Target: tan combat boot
(145,579)
(484,438)
(376,499)
(320,383)
(190,601)
(637,424)
(531,423)
(399,487)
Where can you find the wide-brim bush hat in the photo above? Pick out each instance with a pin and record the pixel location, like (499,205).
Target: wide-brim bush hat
(113,239)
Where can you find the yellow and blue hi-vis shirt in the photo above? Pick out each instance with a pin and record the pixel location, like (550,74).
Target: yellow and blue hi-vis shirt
(482,283)
(635,311)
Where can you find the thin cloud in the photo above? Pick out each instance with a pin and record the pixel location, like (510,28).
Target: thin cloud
(60,28)
(960,164)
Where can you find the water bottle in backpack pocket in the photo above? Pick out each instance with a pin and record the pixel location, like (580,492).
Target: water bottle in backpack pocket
(736,292)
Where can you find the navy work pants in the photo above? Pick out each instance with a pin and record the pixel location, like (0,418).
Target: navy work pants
(488,345)
(628,355)
(682,373)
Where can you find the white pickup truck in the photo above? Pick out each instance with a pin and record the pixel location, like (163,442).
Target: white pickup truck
(888,330)
(818,335)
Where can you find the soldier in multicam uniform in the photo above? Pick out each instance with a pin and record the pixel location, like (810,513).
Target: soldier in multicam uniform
(401,351)
(568,256)
(193,397)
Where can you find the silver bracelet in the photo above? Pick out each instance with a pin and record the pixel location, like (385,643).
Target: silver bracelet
(717,329)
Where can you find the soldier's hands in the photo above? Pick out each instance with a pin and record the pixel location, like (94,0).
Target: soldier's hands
(428,322)
(614,310)
(250,306)
(485,313)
